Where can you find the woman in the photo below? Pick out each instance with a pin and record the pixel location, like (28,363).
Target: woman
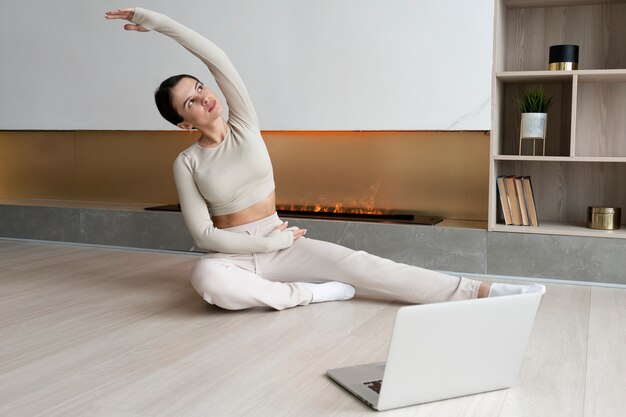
(226,191)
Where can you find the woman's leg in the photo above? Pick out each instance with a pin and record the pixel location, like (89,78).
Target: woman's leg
(233,287)
(313,260)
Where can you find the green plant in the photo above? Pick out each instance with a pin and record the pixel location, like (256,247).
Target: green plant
(534,100)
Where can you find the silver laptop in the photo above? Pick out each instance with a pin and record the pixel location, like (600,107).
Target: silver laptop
(446,350)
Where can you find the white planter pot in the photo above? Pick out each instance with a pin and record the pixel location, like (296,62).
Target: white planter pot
(533,125)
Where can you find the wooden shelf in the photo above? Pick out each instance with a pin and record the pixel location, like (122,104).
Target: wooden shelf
(587,76)
(531,158)
(553,3)
(534,76)
(601,76)
(554,228)
(586,137)
(560,158)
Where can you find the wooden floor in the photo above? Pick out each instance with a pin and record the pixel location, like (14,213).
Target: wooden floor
(105,332)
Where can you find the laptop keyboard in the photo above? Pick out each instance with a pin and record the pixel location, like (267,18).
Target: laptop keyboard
(374,385)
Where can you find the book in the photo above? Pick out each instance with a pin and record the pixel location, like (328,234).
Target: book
(511,193)
(522,201)
(530,201)
(504,201)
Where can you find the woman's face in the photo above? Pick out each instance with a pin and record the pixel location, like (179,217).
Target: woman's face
(197,104)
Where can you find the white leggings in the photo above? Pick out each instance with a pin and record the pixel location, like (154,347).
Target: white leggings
(238,281)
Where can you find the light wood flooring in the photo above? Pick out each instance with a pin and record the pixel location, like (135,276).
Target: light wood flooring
(87,331)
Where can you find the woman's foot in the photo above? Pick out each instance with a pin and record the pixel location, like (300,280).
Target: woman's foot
(330,291)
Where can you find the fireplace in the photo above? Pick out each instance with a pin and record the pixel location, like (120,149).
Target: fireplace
(338,212)
(388,177)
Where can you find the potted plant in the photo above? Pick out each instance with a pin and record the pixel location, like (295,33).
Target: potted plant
(533,105)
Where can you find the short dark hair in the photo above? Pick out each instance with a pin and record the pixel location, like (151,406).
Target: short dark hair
(163,98)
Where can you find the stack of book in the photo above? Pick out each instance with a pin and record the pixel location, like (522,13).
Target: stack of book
(517,201)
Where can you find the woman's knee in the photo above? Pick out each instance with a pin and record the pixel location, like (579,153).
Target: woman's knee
(211,279)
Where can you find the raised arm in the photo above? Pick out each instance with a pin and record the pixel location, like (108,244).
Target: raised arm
(201,228)
(227,78)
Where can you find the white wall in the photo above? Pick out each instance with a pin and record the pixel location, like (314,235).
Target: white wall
(309,64)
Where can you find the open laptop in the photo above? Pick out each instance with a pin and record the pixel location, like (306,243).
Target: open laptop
(446,350)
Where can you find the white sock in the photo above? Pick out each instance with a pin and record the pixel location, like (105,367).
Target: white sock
(498,290)
(330,291)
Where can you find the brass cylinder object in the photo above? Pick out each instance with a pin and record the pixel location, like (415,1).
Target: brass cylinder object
(604,218)
(563,66)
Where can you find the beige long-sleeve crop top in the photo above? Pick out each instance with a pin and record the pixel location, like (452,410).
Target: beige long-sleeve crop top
(231,176)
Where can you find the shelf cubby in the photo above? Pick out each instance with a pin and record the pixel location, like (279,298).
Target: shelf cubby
(530,27)
(600,118)
(559,123)
(563,189)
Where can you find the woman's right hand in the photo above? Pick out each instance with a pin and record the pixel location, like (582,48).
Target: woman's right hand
(126,14)
(297,232)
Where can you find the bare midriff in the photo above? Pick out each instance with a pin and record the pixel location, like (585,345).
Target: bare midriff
(258,211)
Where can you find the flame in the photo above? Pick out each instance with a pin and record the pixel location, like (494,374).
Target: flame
(337,208)
(364,205)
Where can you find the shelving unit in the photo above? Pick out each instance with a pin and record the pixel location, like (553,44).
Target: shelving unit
(585,161)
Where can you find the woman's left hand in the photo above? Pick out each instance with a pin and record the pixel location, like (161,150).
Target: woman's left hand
(297,232)
(126,14)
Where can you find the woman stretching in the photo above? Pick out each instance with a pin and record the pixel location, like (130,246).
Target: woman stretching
(225,186)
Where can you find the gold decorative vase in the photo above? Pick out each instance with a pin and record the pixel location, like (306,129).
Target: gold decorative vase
(563,58)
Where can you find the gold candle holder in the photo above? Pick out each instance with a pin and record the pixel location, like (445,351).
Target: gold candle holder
(604,218)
